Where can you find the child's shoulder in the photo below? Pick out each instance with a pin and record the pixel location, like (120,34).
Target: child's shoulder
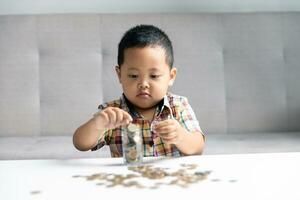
(176,99)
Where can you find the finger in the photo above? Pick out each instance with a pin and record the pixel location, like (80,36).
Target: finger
(165,129)
(168,136)
(171,139)
(112,116)
(164,123)
(126,117)
(119,116)
(125,121)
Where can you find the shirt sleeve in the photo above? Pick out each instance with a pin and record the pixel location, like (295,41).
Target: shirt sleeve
(187,116)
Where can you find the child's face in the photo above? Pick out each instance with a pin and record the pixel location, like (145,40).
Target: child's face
(145,76)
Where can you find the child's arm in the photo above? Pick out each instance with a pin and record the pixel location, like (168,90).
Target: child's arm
(172,132)
(87,135)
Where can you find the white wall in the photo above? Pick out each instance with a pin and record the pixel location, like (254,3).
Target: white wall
(143,6)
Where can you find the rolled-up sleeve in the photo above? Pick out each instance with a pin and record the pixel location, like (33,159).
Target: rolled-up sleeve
(187,116)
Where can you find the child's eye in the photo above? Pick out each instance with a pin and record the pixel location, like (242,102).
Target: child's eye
(132,76)
(155,76)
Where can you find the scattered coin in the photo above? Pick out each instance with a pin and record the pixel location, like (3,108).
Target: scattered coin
(189,166)
(35,192)
(76,176)
(96,176)
(183,177)
(215,180)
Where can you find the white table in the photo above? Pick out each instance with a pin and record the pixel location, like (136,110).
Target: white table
(240,176)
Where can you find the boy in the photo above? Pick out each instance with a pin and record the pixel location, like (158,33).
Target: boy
(145,60)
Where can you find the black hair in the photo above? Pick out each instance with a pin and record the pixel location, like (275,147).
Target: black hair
(143,36)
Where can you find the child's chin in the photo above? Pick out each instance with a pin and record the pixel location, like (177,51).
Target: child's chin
(145,105)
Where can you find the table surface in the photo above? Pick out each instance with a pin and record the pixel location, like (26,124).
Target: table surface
(239,176)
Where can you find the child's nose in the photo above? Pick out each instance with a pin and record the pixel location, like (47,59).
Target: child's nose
(143,85)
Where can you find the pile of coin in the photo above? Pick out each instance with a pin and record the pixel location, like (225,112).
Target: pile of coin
(35,192)
(149,172)
(132,145)
(182,177)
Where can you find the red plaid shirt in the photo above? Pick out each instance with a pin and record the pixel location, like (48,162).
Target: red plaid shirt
(172,105)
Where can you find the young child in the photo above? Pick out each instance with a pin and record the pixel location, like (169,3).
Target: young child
(145,71)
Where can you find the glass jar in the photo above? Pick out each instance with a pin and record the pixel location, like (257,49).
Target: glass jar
(132,144)
(154,135)
(157,120)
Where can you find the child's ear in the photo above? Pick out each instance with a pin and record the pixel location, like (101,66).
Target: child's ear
(118,71)
(173,74)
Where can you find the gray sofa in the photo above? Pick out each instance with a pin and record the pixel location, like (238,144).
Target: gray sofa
(239,71)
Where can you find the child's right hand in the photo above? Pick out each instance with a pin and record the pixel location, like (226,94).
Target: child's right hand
(111,117)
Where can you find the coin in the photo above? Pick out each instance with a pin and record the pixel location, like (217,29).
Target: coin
(132,154)
(189,166)
(34,192)
(132,128)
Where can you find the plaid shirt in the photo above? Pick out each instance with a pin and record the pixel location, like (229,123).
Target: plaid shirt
(171,105)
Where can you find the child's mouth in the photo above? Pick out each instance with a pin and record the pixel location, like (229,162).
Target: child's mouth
(143,95)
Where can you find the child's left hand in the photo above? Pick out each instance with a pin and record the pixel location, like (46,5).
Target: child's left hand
(170,131)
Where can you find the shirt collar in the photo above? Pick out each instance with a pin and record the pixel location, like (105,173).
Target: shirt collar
(128,106)
(165,104)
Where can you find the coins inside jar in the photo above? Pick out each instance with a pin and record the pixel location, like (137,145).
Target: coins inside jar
(132,144)
(132,127)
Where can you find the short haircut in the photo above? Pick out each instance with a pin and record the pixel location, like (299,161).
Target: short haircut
(144,36)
